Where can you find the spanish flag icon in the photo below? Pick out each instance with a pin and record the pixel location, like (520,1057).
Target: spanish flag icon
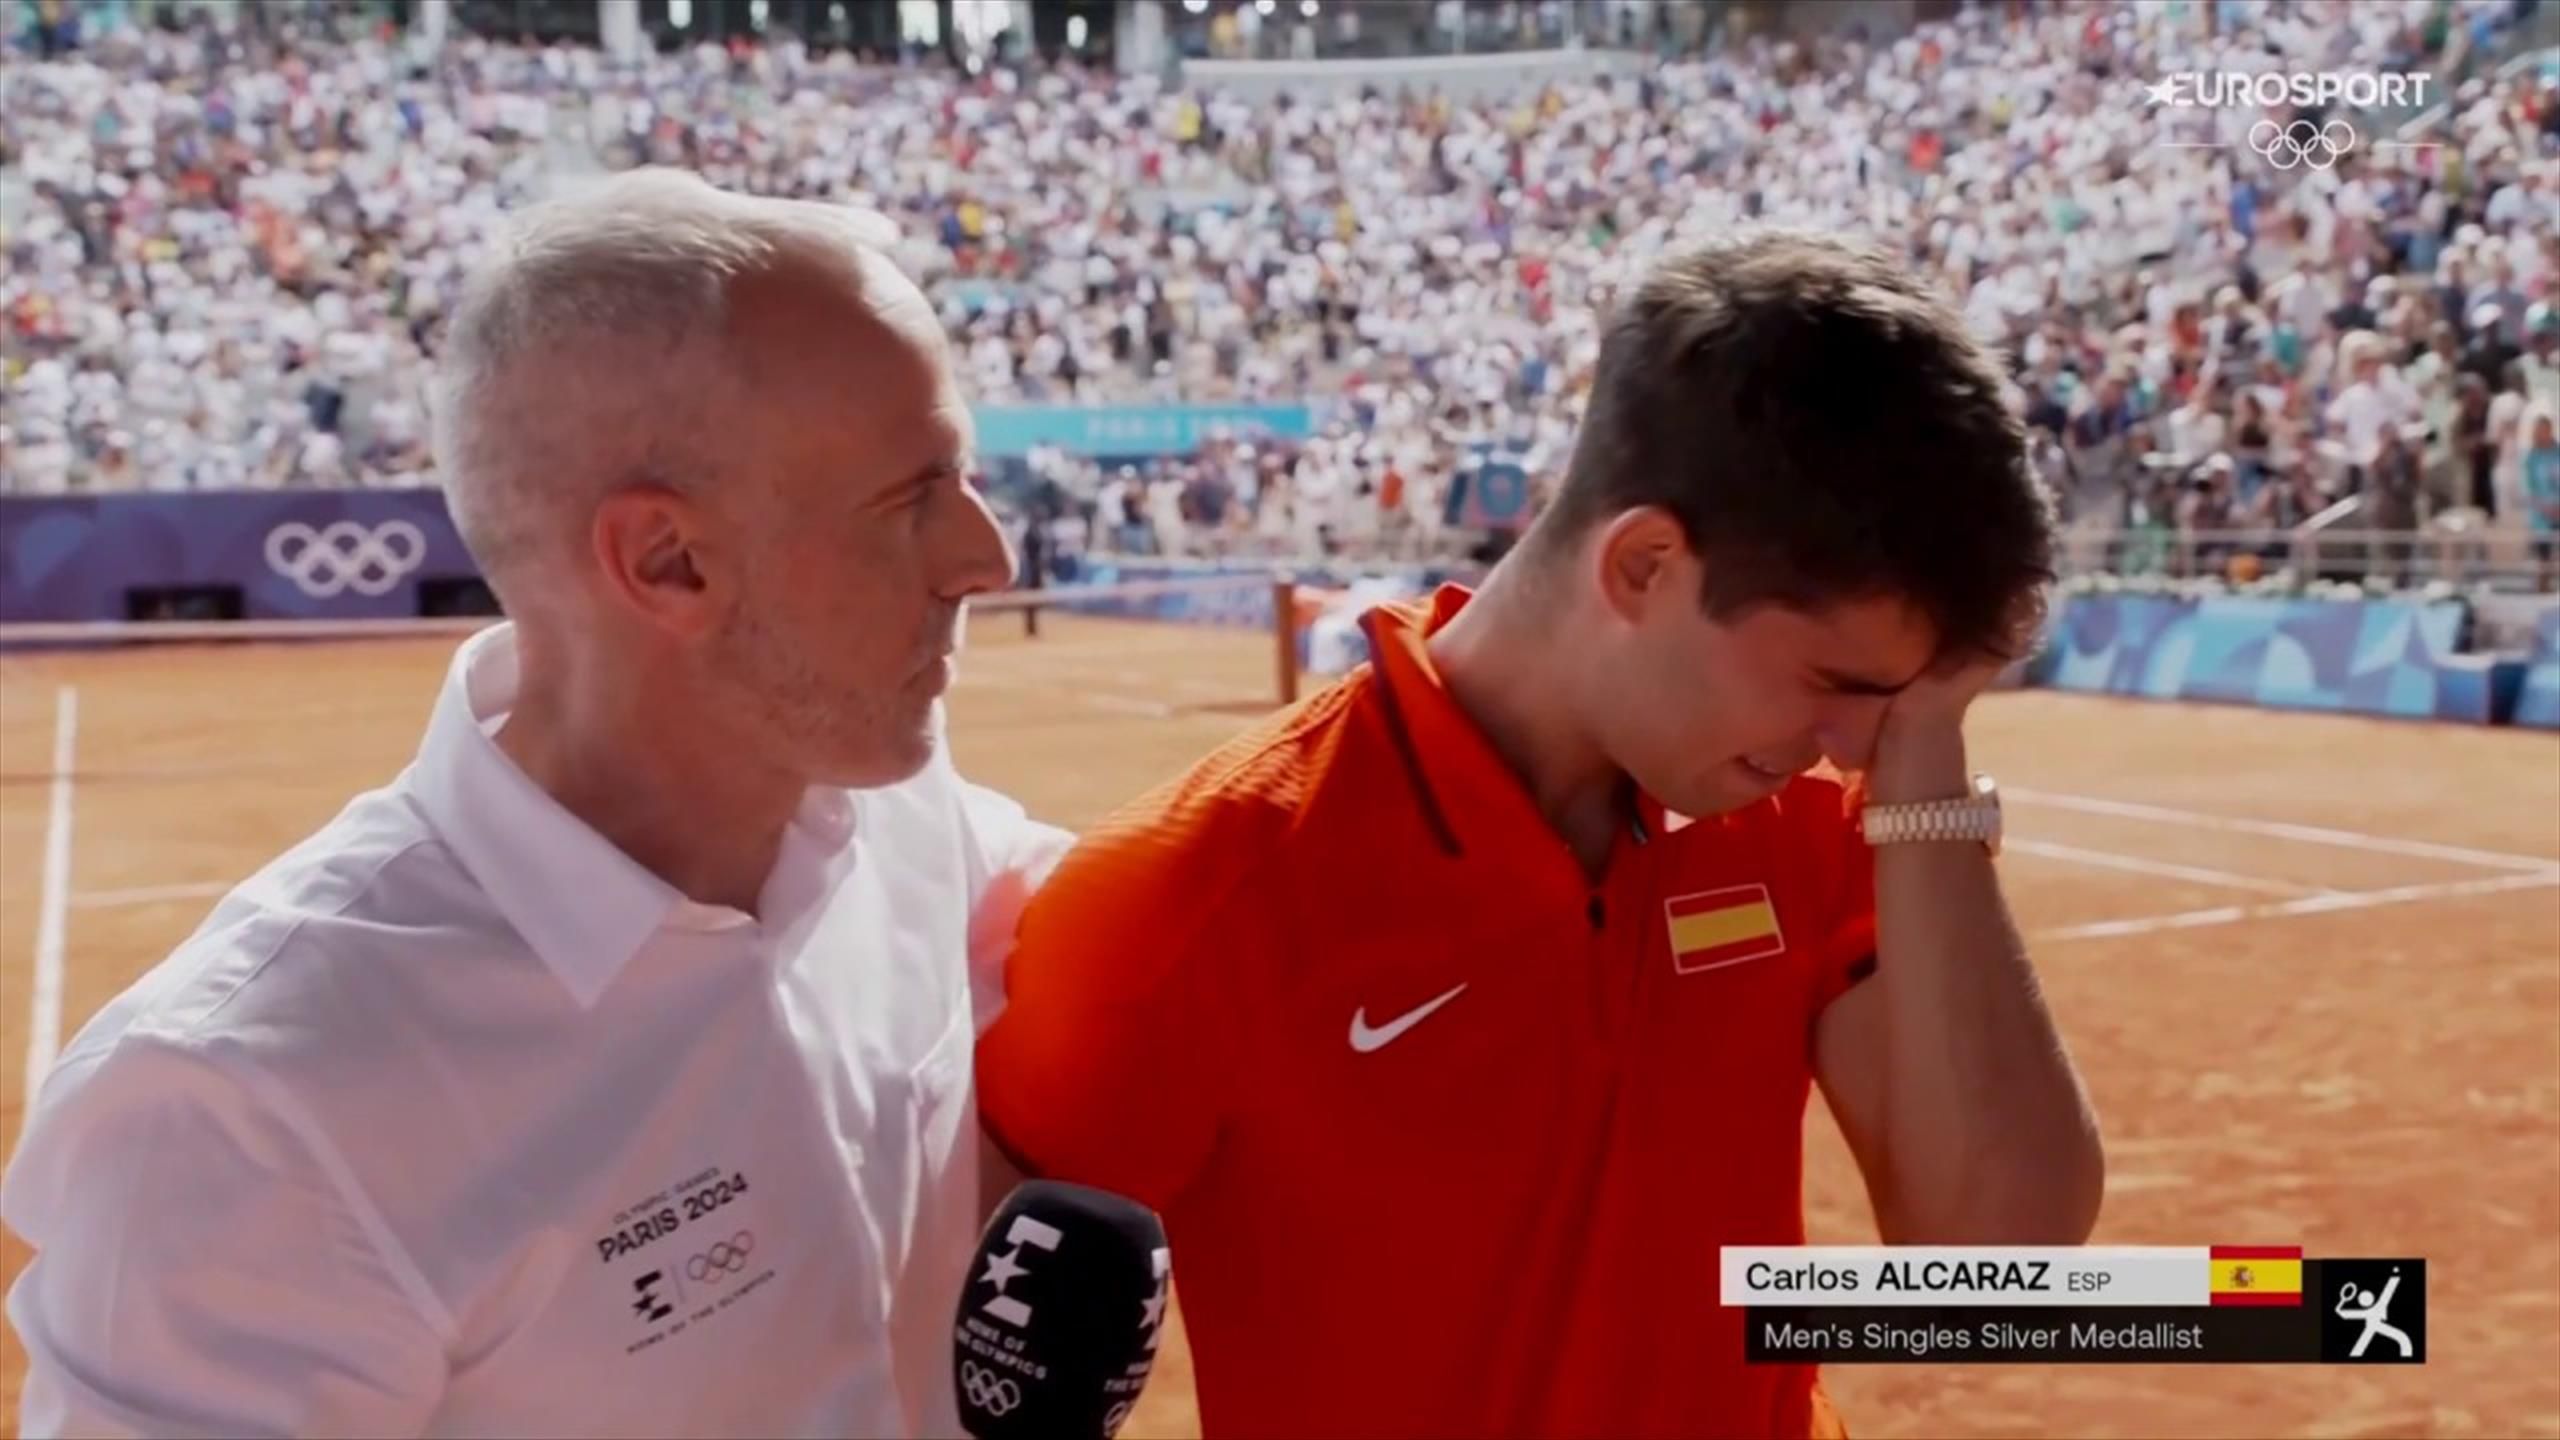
(2256,1274)
(1715,928)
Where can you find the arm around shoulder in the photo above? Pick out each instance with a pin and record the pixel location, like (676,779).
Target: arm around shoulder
(198,1269)
(1112,1060)
(1009,856)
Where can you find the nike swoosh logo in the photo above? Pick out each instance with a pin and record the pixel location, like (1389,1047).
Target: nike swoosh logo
(1365,1039)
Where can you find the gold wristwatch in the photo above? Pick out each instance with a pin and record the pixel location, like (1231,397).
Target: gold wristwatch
(1975,817)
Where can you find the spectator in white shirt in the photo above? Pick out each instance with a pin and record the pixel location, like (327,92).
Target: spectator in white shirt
(608,1072)
(41,461)
(2196,427)
(2374,401)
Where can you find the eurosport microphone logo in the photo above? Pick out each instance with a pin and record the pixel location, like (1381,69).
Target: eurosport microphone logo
(2299,143)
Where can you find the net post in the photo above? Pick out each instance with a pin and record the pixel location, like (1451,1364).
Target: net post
(1284,635)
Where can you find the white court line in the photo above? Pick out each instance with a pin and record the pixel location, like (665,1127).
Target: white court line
(2308,905)
(1104,700)
(147,895)
(1198,690)
(1097,674)
(44,1012)
(1191,686)
(2109,860)
(2315,834)
(1097,699)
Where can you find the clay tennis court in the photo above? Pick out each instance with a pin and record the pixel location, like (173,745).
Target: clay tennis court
(2310,965)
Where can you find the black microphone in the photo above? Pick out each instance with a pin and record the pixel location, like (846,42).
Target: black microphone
(1059,1319)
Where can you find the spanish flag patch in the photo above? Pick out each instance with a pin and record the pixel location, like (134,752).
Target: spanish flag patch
(2256,1275)
(1715,928)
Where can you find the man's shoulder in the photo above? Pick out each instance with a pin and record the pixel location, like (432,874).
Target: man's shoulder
(316,950)
(1234,813)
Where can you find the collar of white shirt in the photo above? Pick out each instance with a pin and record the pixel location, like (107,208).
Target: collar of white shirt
(583,905)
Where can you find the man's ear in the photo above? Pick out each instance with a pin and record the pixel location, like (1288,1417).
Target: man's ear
(652,548)
(1640,554)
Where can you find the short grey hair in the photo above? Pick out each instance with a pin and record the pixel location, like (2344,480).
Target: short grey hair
(592,348)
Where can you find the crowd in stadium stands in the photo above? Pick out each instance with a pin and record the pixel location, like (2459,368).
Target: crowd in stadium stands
(237,248)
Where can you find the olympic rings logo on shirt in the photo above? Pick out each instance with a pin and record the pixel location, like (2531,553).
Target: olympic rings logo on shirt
(993,1393)
(728,1257)
(2302,143)
(344,555)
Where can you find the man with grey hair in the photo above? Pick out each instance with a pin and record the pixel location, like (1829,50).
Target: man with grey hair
(609,1071)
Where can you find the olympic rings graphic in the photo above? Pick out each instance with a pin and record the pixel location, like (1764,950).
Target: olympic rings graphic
(987,1390)
(725,1258)
(2302,143)
(344,555)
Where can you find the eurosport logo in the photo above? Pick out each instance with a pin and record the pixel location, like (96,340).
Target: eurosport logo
(2233,89)
(345,555)
(2294,144)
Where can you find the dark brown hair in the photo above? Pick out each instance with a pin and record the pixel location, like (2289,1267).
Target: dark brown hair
(1824,429)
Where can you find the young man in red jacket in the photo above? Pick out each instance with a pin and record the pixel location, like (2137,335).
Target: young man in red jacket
(1456,1018)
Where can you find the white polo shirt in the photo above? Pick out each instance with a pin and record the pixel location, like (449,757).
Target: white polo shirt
(455,1120)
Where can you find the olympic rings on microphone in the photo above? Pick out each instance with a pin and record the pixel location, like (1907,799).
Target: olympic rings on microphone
(728,1257)
(993,1393)
(2302,143)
